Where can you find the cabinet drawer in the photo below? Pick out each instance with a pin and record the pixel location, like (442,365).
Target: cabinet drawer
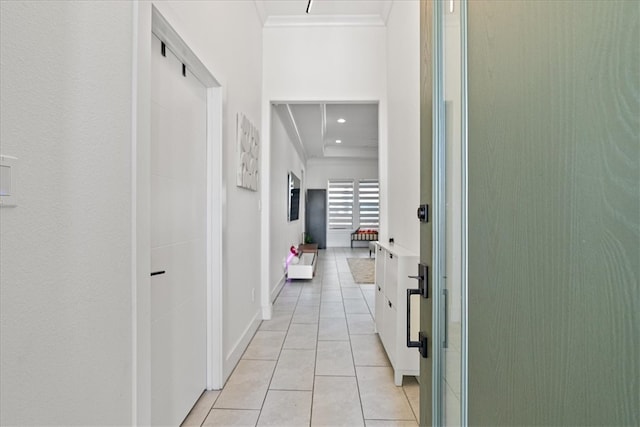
(378,315)
(391,277)
(390,316)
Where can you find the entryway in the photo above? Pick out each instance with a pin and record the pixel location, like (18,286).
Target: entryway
(318,361)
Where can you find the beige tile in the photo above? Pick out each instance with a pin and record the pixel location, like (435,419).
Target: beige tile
(290,290)
(285,304)
(247,386)
(381,399)
(368,351)
(310,299)
(360,324)
(265,345)
(349,293)
(201,409)
(331,295)
(333,329)
(355,306)
(279,322)
(301,336)
(306,314)
(294,370)
(370,297)
(332,309)
(331,282)
(232,417)
(336,402)
(388,423)
(334,358)
(286,408)
(412,391)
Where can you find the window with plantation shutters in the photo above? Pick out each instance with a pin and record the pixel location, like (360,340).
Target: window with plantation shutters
(340,195)
(368,203)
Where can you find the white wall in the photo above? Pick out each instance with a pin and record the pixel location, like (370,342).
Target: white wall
(65,258)
(320,171)
(326,63)
(74,295)
(227,38)
(403,151)
(284,234)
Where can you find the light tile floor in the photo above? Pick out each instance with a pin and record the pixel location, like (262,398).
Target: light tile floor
(317,362)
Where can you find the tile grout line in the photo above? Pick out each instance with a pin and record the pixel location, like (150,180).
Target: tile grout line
(355,371)
(281,348)
(315,359)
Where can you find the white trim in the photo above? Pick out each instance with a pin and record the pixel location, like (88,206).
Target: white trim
(298,139)
(215,379)
(264,207)
(134,214)
(325,21)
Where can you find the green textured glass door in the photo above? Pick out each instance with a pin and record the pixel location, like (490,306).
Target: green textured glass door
(554,212)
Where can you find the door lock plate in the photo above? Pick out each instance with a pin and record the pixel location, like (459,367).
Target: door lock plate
(423,213)
(423,280)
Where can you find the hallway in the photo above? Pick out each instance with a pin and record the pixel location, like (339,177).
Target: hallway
(318,361)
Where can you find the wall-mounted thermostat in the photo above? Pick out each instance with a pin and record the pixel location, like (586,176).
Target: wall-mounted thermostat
(8,178)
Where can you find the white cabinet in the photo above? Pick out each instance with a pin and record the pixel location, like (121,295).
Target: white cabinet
(393,266)
(305,268)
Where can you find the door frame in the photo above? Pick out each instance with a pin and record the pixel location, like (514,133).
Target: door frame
(439,188)
(155,18)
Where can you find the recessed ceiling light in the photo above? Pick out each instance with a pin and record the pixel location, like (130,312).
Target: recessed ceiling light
(341,120)
(338,141)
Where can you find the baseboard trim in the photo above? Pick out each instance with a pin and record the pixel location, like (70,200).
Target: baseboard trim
(278,288)
(234,356)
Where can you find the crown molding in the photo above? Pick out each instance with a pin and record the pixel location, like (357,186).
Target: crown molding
(325,21)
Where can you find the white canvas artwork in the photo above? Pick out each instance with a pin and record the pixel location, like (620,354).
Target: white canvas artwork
(248,150)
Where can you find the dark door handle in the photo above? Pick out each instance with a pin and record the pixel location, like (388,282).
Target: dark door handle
(423,280)
(421,344)
(155,273)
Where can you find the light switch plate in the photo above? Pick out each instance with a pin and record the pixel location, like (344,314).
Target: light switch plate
(8,181)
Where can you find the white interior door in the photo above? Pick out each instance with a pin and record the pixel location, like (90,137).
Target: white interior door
(178,238)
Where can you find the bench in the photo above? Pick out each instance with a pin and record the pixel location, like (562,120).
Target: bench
(364,235)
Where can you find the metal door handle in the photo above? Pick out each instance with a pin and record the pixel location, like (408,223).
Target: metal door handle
(421,344)
(155,273)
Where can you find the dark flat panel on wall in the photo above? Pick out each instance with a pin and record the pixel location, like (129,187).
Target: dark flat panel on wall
(316,217)
(554,212)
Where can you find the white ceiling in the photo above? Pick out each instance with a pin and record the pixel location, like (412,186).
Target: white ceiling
(293,12)
(313,126)
(315,129)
